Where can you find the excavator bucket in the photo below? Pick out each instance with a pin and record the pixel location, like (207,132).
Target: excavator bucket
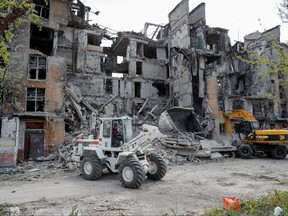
(178,119)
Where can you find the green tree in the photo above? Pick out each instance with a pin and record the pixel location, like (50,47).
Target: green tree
(283,11)
(12,14)
(276,66)
(271,59)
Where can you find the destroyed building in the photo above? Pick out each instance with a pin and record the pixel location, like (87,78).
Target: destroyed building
(68,79)
(253,88)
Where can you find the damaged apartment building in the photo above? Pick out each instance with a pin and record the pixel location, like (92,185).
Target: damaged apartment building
(68,79)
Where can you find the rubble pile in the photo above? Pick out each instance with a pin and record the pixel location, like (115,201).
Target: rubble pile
(28,166)
(177,146)
(62,158)
(180,150)
(176,150)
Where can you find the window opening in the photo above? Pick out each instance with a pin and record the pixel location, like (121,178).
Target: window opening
(117,133)
(109,86)
(35,100)
(137,89)
(42,8)
(139,68)
(150,52)
(37,67)
(163,90)
(106,128)
(93,40)
(222,128)
(140,49)
(41,39)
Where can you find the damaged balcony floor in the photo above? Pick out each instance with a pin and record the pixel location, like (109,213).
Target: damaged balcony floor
(186,189)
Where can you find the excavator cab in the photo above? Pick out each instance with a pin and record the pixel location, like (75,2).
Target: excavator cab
(247,128)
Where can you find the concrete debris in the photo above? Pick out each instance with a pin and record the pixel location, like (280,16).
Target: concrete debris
(214,146)
(150,113)
(143,106)
(177,154)
(190,146)
(14,211)
(33,170)
(109,100)
(63,158)
(180,149)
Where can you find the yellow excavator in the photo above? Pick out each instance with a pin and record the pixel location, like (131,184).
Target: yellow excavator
(253,139)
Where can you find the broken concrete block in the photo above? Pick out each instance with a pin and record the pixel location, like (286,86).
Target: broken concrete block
(203,153)
(216,155)
(14,211)
(208,144)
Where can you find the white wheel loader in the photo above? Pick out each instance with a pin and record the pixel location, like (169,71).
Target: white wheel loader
(117,150)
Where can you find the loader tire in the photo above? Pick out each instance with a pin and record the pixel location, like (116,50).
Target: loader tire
(131,173)
(157,167)
(279,152)
(91,168)
(245,151)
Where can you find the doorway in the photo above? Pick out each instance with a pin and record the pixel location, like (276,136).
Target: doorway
(34,140)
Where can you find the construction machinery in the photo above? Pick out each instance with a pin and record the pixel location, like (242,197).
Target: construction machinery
(252,139)
(116,149)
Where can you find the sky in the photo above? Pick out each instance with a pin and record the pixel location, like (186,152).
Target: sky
(239,17)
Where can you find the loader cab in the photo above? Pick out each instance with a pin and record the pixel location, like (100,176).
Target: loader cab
(117,137)
(115,131)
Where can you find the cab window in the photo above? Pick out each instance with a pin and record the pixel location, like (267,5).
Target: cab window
(106,128)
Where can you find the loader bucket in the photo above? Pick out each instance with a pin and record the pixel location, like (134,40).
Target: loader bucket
(178,119)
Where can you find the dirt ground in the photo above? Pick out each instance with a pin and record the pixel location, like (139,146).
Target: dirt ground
(187,189)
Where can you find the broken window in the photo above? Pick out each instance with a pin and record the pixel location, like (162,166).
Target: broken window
(117,74)
(41,39)
(37,67)
(42,8)
(150,52)
(120,59)
(213,42)
(167,70)
(78,9)
(35,100)
(108,86)
(163,90)
(222,128)
(138,68)
(137,89)
(140,49)
(93,40)
(237,104)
